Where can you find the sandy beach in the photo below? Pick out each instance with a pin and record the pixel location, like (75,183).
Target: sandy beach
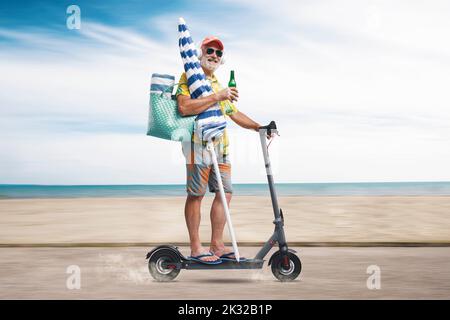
(161,220)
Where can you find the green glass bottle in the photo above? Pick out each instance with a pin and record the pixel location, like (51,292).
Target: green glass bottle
(232,82)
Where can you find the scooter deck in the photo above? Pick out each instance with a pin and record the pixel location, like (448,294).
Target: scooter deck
(194,265)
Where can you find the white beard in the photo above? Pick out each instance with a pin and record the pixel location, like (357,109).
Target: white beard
(210,66)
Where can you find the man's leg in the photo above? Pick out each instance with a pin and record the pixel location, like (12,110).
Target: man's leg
(197,178)
(218,222)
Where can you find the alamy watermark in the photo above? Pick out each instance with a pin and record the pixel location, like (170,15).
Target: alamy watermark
(73,281)
(374,280)
(73,21)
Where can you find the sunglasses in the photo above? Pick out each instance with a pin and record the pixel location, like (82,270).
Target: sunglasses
(219,53)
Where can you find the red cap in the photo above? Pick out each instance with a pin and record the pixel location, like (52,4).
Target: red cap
(212,39)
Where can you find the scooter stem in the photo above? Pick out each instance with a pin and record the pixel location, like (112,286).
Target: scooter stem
(210,148)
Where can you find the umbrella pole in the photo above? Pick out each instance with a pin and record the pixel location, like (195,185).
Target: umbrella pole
(210,147)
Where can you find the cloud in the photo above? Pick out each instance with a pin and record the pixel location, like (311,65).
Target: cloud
(107,81)
(358,90)
(336,58)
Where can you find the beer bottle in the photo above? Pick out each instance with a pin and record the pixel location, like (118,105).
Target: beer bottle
(232,82)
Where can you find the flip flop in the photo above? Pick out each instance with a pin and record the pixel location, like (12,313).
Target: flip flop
(226,257)
(198,258)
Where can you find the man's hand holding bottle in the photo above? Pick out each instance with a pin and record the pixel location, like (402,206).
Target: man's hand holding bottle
(231,94)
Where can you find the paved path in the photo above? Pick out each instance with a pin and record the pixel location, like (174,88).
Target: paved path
(328,273)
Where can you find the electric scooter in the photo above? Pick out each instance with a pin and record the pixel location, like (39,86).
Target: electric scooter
(165,262)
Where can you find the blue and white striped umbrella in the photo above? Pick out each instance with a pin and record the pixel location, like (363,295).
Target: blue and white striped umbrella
(210,123)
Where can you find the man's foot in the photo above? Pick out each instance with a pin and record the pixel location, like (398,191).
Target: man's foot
(224,252)
(220,251)
(205,256)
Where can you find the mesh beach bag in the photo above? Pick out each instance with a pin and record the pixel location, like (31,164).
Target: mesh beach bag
(164,120)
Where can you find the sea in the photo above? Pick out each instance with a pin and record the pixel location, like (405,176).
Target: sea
(24,191)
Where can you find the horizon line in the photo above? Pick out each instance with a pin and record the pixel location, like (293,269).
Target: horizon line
(183,184)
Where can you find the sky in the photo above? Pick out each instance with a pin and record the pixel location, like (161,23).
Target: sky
(358,88)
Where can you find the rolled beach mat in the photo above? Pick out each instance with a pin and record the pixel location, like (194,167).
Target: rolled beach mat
(211,123)
(161,83)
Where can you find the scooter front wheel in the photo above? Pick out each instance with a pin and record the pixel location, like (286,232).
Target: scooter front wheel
(286,267)
(158,271)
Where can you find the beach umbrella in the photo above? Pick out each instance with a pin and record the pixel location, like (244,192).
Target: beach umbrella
(211,123)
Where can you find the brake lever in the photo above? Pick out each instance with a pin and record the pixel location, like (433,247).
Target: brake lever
(272,137)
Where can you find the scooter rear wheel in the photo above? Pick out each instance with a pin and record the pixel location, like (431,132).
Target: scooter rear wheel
(160,273)
(283,273)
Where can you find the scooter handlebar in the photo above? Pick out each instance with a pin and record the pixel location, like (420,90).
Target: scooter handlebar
(271,128)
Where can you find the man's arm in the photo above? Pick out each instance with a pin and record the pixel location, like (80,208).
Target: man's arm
(244,121)
(188,106)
